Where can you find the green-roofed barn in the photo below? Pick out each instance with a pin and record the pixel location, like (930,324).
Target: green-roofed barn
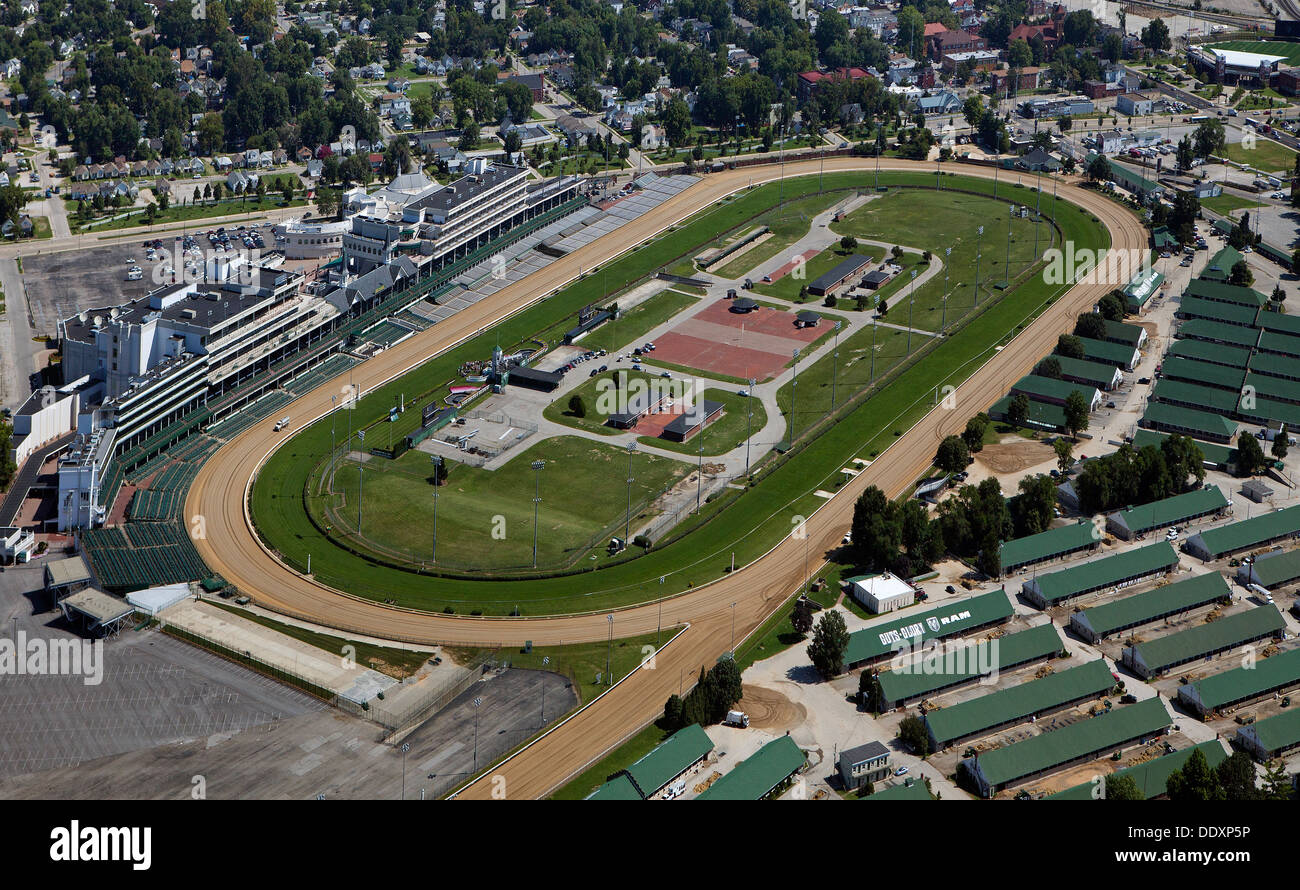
(1222,292)
(1201,351)
(1179,509)
(1117,570)
(1189,395)
(1051,544)
(760,776)
(871,644)
(1189,422)
(1271,737)
(1083,740)
(1242,685)
(1271,365)
(947,667)
(1218,332)
(1144,284)
(1215,457)
(1095,374)
(618,788)
(1214,310)
(1278,343)
(1272,413)
(1099,622)
(1257,531)
(1016,704)
(1152,777)
(680,753)
(1219,267)
(1202,373)
(1277,321)
(1278,389)
(1271,570)
(1053,391)
(1041,416)
(1125,357)
(1154,657)
(1125,334)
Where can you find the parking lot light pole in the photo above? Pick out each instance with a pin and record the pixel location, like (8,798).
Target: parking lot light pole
(627,523)
(794,391)
(537,466)
(749,421)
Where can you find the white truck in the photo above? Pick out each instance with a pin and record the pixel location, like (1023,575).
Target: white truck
(281,424)
(737,718)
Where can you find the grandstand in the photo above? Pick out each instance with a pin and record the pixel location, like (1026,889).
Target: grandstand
(259,410)
(386,333)
(142,554)
(309,380)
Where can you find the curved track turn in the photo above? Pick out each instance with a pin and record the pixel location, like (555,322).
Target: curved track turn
(747,596)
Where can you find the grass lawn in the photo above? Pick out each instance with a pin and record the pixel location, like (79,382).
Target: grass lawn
(1226,204)
(397,663)
(636,322)
(746,523)
(723,434)
(787,224)
(1266,47)
(1267,155)
(41,227)
(485,517)
(620,758)
(788,288)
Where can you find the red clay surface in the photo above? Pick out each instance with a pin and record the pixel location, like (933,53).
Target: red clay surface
(711,341)
(653,424)
(780,273)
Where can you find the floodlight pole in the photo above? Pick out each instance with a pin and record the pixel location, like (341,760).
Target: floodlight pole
(627,523)
(360,480)
(609,651)
(334,440)
(699,475)
(749,422)
(911,301)
(943,321)
(537,466)
(794,392)
(1006,276)
(437,469)
(874,327)
(835,364)
(978,239)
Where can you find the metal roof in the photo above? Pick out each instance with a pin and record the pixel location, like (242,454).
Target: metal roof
(1202,373)
(1275,365)
(1099,374)
(1275,341)
(1037,387)
(1045,545)
(1019,702)
(1210,352)
(670,758)
(1277,568)
(948,619)
(1278,388)
(1250,532)
(1210,451)
(1205,639)
(1080,739)
(1007,651)
(1105,351)
(1152,777)
(62,572)
(618,788)
(1172,510)
(1244,682)
(1279,731)
(842,270)
(1191,395)
(1220,265)
(1043,414)
(1199,590)
(1222,291)
(1128,334)
(1215,310)
(754,777)
(1104,572)
(1218,332)
(1189,420)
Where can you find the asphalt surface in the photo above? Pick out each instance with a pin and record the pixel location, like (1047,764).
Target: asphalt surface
(232,549)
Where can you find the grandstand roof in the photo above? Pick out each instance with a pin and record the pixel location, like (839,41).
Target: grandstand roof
(1019,702)
(1042,752)
(1198,590)
(1205,639)
(945,620)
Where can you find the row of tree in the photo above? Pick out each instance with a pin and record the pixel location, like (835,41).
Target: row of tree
(715,692)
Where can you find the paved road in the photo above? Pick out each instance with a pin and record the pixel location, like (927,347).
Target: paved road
(746,596)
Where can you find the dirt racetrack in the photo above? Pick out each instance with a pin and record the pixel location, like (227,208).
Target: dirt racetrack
(233,549)
(771,710)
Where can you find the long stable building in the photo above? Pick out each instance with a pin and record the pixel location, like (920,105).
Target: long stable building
(1271,737)
(1155,657)
(1051,544)
(1178,598)
(1183,508)
(1225,540)
(941,670)
(1241,685)
(1152,777)
(1116,570)
(871,644)
(671,759)
(761,775)
(1119,727)
(1017,704)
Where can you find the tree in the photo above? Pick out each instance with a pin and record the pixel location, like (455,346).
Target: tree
(953,455)
(973,435)
(1019,55)
(1241,274)
(848,243)
(577,408)
(1250,457)
(1184,155)
(1098,169)
(1277,781)
(1123,787)
(913,734)
(1236,776)
(327,201)
(1278,297)
(829,644)
(677,121)
(1076,413)
(1018,410)
(1049,367)
(1155,36)
(1090,325)
(1279,443)
(1064,449)
(1194,781)
(801,617)
(1069,346)
(1209,137)
(1111,307)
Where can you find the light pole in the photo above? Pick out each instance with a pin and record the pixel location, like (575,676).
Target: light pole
(546,660)
(943,321)
(361,434)
(627,523)
(699,474)
(911,300)
(794,392)
(405,747)
(979,237)
(334,440)
(437,470)
(1006,276)
(835,364)
(749,421)
(609,651)
(874,328)
(733,630)
(477,701)
(537,466)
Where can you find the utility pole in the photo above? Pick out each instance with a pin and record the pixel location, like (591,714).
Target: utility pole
(1006,276)
(537,466)
(874,327)
(699,474)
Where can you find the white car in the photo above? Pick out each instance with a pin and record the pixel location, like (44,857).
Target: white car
(902,770)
